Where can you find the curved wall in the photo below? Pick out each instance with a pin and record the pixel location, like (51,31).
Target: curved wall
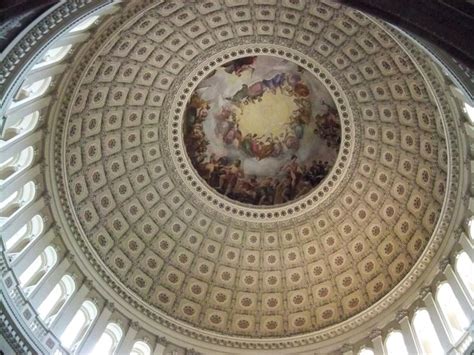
(32,81)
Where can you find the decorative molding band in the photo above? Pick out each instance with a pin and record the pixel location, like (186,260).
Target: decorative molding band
(31,46)
(445,226)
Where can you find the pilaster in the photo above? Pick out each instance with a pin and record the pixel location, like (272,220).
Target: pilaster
(70,308)
(96,331)
(437,321)
(35,248)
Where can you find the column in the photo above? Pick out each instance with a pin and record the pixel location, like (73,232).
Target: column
(408,333)
(97,330)
(377,342)
(160,346)
(70,308)
(437,321)
(36,247)
(458,290)
(50,281)
(125,347)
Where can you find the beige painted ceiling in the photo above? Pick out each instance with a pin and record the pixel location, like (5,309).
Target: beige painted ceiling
(131,194)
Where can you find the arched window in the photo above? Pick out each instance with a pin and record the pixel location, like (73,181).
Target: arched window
(366,351)
(30,91)
(32,276)
(426,333)
(25,125)
(16,201)
(15,238)
(53,55)
(51,306)
(34,267)
(16,163)
(395,344)
(78,326)
(18,242)
(142,348)
(8,200)
(469,110)
(470,227)
(464,267)
(84,25)
(452,311)
(108,341)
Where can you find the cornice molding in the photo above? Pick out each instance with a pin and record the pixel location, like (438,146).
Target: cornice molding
(443,227)
(38,38)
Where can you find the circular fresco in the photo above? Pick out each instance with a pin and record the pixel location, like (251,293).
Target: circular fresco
(262,130)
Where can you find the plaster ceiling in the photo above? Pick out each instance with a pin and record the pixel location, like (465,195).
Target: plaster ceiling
(206,257)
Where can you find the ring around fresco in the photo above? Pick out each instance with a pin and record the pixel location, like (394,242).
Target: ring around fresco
(262,130)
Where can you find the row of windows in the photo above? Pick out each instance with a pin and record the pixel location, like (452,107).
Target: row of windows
(76,330)
(456,319)
(428,340)
(109,340)
(52,305)
(14,162)
(74,333)
(19,125)
(31,278)
(38,88)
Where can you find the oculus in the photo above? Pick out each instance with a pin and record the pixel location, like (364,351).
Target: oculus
(261,130)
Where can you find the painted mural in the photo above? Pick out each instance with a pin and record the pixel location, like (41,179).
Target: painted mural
(261,130)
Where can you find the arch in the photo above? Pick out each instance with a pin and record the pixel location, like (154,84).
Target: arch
(469,111)
(85,24)
(53,55)
(142,348)
(31,91)
(74,333)
(454,315)
(33,275)
(24,126)
(108,341)
(16,201)
(25,235)
(426,333)
(16,163)
(58,296)
(395,344)
(464,266)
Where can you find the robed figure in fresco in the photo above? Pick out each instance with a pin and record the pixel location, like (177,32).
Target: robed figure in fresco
(261,155)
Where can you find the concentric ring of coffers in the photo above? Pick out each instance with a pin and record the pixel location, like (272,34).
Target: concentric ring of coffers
(305,197)
(167,241)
